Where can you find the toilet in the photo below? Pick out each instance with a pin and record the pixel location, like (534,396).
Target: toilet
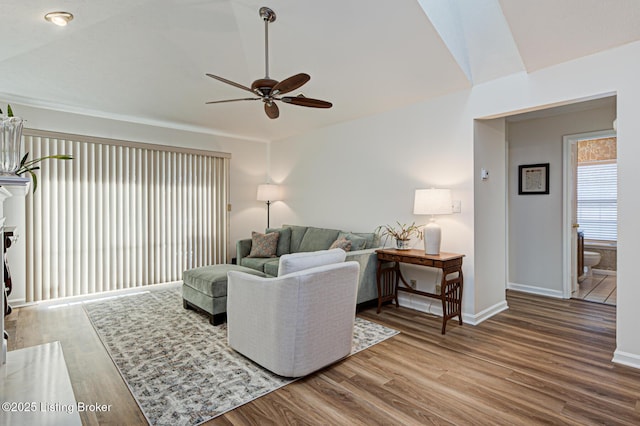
(591,259)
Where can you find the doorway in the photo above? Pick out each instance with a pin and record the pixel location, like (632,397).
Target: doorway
(590,216)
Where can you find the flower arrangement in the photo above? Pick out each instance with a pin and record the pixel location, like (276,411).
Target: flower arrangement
(401,232)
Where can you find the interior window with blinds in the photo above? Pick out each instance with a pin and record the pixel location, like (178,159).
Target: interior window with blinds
(598,200)
(121,215)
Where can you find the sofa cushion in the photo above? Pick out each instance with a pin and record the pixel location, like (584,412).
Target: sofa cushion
(341,243)
(256,263)
(264,245)
(357,242)
(297,233)
(318,239)
(212,279)
(284,240)
(295,262)
(271,267)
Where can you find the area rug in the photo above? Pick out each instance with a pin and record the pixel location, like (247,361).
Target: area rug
(178,366)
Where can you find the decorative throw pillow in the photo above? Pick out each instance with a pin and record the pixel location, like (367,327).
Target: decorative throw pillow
(357,242)
(341,243)
(264,245)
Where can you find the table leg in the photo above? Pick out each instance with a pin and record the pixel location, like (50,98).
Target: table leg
(451,295)
(387,283)
(399,277)
(379,285)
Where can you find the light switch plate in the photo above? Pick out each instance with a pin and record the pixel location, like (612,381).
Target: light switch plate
(457,206)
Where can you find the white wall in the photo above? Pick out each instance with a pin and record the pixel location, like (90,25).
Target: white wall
(490,217)
(535,221)
(248,168)
(362,173)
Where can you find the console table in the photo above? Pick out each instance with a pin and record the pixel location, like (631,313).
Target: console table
(390,277)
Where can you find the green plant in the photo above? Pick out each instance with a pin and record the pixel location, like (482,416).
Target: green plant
(30,166)
(400,231)
(9,111)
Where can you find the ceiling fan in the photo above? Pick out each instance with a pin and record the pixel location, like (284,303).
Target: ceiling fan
(268,90)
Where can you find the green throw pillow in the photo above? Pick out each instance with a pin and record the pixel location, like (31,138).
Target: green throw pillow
(284,242)
(264,245)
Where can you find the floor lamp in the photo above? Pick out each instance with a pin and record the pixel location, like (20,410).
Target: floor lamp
(432,202)
(268,192)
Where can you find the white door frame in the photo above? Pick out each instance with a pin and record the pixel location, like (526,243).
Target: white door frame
(569,278)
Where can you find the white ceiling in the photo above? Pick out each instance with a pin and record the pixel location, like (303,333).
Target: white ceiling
(145,60)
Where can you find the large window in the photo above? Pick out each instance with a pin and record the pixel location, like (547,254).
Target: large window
(121,215)
(598,200)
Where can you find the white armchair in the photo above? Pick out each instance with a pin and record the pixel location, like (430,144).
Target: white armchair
(296,323)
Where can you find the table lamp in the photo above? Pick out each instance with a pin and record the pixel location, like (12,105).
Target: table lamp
(432,202)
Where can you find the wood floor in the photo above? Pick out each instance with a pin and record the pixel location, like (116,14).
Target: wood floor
(544,361)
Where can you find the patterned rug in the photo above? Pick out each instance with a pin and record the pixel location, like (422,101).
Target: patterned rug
(178,366)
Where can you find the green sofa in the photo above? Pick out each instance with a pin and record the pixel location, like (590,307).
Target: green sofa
(296,239)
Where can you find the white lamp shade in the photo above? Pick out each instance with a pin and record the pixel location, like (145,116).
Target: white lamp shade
(432,201)
(268,192)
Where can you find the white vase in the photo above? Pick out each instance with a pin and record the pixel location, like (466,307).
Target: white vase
(10,145)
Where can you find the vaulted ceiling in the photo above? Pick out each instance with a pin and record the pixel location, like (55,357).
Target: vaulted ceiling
(145,60)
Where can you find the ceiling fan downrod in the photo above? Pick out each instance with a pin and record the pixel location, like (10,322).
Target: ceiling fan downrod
(267,16)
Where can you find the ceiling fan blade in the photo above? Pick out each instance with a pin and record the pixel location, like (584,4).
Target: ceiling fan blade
(272,110)
(307,102)
(233,100)
(291,83)
(233,83)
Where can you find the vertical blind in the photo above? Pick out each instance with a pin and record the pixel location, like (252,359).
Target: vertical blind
(121,215)
(598,200)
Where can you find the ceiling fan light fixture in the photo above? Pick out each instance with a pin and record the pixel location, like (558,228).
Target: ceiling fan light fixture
(60,19)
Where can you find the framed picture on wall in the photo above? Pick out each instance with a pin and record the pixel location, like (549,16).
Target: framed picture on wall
(533,179)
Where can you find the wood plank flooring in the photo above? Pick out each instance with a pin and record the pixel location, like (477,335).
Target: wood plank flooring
(543,361)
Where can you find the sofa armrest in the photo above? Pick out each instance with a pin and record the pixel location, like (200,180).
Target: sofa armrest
(243,248)
(367,285)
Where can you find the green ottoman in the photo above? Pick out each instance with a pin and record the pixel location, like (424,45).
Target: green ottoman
(205,289)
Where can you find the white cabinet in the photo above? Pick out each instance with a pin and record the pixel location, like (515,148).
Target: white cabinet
(9,186)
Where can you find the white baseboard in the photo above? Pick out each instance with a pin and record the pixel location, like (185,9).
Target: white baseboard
(95,296)
(541,291)
(420,303)
(486,313)
(626,358)
(16,303)
(434,307)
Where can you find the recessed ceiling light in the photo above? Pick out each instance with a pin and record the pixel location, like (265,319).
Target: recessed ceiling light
(59,18)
